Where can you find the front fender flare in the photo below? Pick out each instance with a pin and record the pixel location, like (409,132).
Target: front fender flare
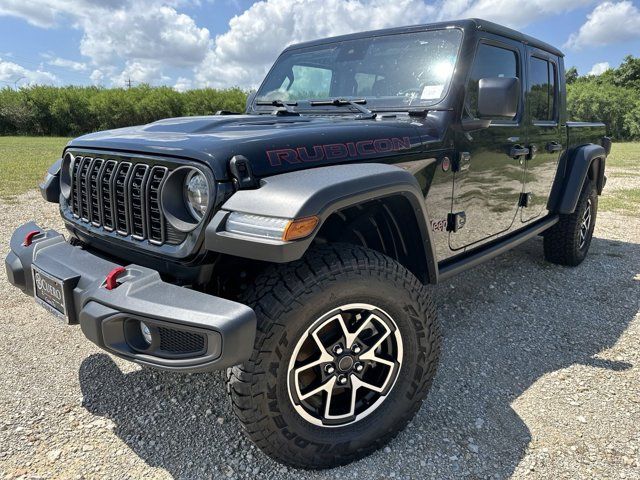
(319,191)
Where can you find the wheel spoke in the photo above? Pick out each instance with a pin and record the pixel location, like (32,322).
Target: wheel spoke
(371,350)
(363,327)
(326,386)
(323,359)
(357,383)
(324,354)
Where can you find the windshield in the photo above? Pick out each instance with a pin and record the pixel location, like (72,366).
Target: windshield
(402,70)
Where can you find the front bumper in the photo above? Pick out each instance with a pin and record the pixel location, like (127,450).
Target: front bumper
(191,331)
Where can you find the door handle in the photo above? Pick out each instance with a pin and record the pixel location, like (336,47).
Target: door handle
(518,151)
(553,147)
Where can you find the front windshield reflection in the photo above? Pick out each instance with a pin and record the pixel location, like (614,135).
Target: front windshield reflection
(401,70)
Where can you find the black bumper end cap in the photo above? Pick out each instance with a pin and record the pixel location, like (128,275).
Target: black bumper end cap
(15,271)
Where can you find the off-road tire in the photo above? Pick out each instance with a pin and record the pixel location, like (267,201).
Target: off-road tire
(287,300)
(563,244)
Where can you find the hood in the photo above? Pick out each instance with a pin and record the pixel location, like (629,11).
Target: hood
(272,144)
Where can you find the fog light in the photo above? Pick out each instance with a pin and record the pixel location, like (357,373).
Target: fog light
(146,332)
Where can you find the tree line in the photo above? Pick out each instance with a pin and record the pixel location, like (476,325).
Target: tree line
(612,97)
(69,111)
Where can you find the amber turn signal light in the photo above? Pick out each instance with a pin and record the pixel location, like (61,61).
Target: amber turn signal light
(300,228)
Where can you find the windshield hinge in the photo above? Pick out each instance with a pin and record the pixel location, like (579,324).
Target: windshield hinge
(241,171)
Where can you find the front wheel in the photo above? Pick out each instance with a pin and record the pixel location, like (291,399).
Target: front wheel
(346,349)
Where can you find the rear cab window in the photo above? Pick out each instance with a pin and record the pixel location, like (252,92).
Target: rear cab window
(542,93)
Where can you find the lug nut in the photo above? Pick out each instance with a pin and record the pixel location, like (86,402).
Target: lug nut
(338,350)
(356,348)
(342,380)
(358,367)
(329,369)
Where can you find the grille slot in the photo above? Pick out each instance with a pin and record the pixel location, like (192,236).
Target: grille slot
(93,198)
(180,342)
(121,196)
(156,226)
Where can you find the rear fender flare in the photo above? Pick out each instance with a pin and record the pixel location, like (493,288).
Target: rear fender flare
(588,160)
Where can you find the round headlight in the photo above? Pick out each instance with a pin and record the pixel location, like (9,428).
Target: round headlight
(196,190)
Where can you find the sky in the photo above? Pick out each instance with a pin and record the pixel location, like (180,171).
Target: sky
(225,43)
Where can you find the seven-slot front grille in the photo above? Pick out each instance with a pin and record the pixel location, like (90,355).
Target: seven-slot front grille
(121,196)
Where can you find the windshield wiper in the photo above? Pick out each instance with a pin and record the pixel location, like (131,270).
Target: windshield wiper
(365,113)
(288,106)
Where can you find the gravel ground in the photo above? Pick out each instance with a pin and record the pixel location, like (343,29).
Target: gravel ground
(539,378)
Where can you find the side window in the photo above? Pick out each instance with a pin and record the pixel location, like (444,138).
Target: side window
(490,61)
(365,83)
(542,90)
(308,82)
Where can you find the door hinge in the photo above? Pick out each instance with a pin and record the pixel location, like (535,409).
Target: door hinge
(455,221)
(525,199)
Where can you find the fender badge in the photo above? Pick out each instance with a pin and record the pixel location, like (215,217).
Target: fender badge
(446,164)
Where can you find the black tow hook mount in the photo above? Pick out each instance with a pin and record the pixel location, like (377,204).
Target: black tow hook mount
(241,171)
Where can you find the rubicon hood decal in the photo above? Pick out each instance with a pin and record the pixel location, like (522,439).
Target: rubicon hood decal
(337,151)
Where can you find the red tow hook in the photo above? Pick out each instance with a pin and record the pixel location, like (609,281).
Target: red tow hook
(28,238)
(111,281)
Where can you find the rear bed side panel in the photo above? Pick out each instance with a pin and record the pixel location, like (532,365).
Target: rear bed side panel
(586,148)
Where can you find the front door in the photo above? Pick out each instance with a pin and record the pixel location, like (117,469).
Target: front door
(543,131)
(489,177)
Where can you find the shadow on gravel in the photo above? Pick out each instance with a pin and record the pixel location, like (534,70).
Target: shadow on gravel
(505,324)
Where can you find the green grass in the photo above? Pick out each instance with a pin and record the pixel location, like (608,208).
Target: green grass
(24,162)
(622,163)
(625,155)
(626,201)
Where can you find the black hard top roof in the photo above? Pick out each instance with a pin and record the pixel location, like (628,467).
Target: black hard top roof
(467,24)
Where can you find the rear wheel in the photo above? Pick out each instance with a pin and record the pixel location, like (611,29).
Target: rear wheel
(568,241)
(346,350)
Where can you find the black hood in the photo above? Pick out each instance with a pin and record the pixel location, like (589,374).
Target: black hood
(271,143)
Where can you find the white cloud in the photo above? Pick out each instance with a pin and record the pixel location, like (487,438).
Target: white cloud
(509,12)
(38,13)
(66,63)
(147,71)
(183,84)
(117,33)
(144,31)
(13,74)
(599,68)
(97,77)
(609,22)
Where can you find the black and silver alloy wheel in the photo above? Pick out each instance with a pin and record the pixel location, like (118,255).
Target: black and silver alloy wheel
(344,365)
(585,225)
(345,352)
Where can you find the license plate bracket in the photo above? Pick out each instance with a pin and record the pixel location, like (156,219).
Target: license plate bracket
(52,293)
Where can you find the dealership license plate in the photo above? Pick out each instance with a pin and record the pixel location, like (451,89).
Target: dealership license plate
(49,292)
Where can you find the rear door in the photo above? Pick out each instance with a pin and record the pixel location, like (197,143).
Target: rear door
(543,131)
(488,181)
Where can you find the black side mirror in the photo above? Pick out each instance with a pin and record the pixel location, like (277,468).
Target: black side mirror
(498,97)
(250,98)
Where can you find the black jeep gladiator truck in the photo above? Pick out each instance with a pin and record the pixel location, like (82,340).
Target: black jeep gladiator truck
(296,245)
